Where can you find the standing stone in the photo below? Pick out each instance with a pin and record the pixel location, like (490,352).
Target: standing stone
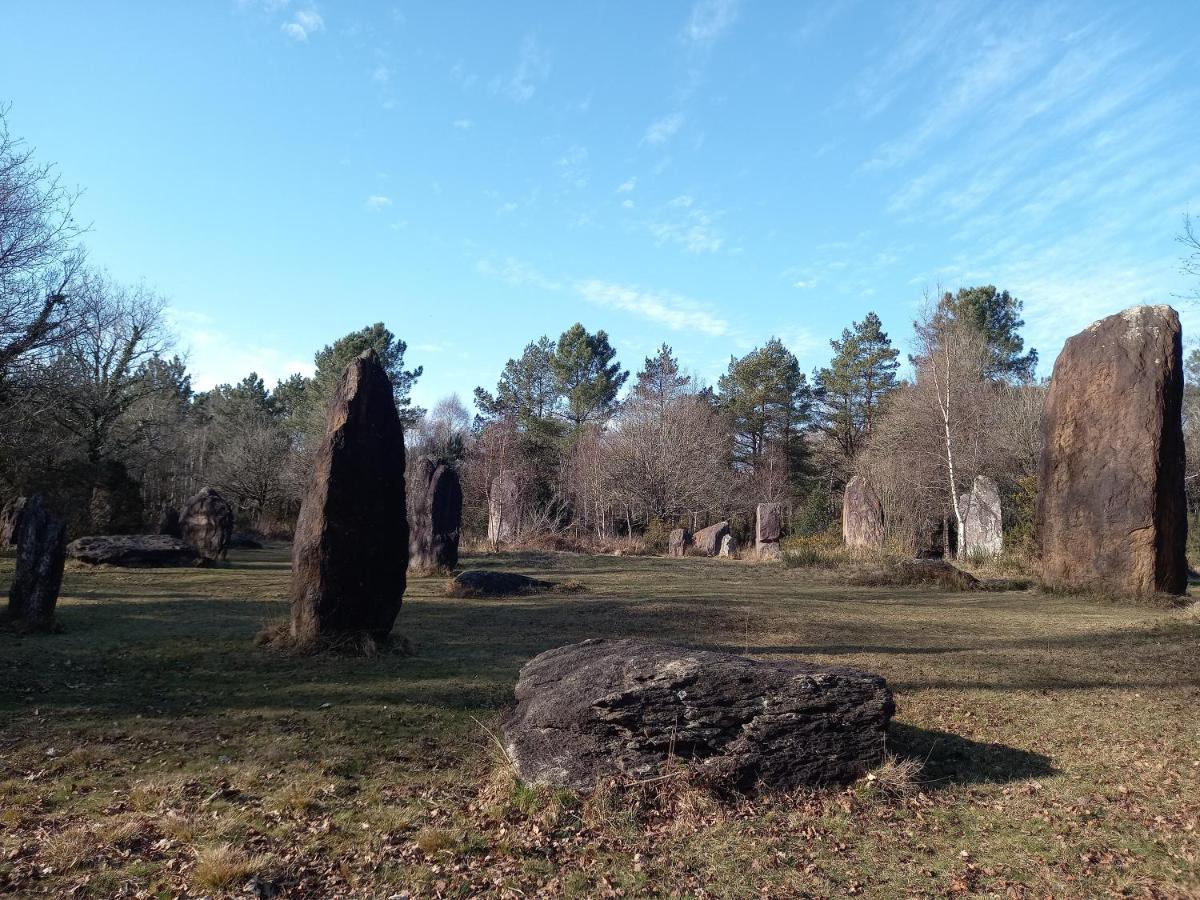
(729,547)
(707,541)
(207,524)
(436,517)
(1111,509)
(504,509)
(10,520)
(983,522)
(351,547)
(679,542)
(862,515)
(41,553)
(621,709)
(768,530)
(168,522)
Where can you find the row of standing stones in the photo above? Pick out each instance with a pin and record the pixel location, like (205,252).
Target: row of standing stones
(716,540)
(1110,513)
(1111,509)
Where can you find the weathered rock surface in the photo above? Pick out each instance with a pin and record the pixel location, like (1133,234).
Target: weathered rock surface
(617,709)
(207,524)
(768,525)
(168,522)
(435,517)
(10,515)
(707,541)
(350,552)
(936,573)
(983,521)
(862,515)
(1111,509)
(504,510)
(134,551)
(41,553)
(487,583)
(729,547)
(679,542)
(770,552)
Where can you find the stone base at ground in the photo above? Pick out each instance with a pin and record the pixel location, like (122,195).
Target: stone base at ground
(618,709)
(486,583)
(133,550)
(770,552)
(244,540)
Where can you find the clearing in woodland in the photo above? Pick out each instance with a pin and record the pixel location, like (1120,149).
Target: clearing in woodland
(152,747)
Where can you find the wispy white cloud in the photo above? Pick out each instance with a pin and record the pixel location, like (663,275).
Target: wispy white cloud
(572,166)
(662,130)
(675,311)
(533,68)
(681,221)
(463,124)
(628,185)
(216,357)
(709,19)
(381,75)
(304,22)
(378,202)
(516,273)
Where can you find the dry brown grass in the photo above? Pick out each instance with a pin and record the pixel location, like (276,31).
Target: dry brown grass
(222,866)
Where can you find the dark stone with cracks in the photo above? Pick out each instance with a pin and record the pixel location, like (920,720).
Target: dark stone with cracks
(350,552)
(1112,513)
(207,524)
(168,522)
(134,551)
(436,516)
(10,517)
(41,553)
(486,583)
(707,541)
(679,542)
(617,709)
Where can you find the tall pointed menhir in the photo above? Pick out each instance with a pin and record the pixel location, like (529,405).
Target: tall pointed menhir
(351,548)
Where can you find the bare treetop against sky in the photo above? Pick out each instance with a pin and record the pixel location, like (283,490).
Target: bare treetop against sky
(707,174)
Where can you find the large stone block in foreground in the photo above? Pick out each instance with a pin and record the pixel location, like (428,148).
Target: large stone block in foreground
(1111,509)
(350,552)
(862,515)
(436,517)
(617,709)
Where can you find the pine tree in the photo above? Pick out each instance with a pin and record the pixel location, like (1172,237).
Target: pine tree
(660,382)
(527,391)
(588,380)
(332,360)
(769,401)
(859,377)
(997,316)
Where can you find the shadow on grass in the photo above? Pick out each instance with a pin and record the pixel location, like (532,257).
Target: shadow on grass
(949,759)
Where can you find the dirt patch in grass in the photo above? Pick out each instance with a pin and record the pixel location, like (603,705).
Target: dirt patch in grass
(1044,744)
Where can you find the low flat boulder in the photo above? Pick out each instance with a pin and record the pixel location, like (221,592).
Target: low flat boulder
(134,551)
(935,573)
(244,540)
(486,583)
(707,541)
(605,709)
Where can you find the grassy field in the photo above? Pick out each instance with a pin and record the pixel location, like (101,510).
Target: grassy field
(152,750)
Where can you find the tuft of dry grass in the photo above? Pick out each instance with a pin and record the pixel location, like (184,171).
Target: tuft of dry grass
(895,778)
(222,866)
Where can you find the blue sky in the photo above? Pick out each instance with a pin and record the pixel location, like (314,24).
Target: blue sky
(706,173)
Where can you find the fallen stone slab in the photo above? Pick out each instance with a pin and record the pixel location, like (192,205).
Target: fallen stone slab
(133,551)
(486,583)
(619,710)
